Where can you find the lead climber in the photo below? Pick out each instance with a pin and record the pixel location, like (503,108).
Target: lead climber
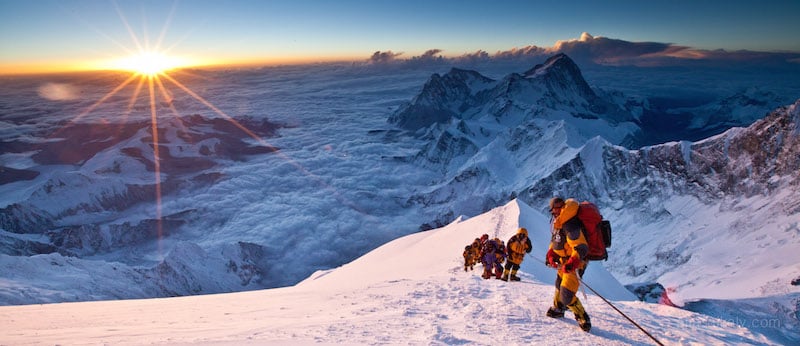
(567,253)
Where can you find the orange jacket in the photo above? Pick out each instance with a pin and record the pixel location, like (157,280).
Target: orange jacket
(570,243)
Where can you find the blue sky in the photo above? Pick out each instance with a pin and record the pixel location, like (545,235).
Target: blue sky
(43,32)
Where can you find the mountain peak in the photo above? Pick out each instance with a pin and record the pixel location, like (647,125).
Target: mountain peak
(561,72)
(559,61)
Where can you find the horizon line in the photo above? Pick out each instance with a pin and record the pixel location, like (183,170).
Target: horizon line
(37,70)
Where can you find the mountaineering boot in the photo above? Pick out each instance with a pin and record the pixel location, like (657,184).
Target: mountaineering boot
(505,275)
(515,278)
(486,274)
(555,312)
(580,315)
(584,322)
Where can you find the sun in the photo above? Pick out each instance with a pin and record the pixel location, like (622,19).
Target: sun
(149,63)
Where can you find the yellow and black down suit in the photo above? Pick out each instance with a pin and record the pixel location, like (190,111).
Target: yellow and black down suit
(518,245)
(469,259)
(570,248)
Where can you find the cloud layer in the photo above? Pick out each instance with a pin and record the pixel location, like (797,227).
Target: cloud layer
(58,92)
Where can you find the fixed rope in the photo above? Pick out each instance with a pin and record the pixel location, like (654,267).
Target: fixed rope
(622,313)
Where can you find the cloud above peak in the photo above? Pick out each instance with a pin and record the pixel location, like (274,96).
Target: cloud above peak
(600,50)
(585,37)
(384,57)
(607,51)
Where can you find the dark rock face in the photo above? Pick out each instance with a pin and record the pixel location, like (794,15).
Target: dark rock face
(442,98)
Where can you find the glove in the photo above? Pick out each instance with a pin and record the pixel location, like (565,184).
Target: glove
(552,258)
(572,264)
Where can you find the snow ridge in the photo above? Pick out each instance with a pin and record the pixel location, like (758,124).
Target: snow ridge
(426,298)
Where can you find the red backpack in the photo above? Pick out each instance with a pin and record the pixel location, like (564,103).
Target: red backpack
(596,231)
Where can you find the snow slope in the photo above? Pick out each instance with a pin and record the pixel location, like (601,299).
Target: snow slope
(409,291)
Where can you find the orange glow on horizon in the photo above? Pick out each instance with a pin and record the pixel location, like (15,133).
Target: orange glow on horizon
(33,68)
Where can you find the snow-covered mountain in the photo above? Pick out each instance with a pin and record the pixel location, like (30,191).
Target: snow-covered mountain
(553,90)
(325,179)
(688,198)
(412,290)
(477,128)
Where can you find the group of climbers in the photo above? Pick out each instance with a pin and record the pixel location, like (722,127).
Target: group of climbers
(493,253)
(567,253)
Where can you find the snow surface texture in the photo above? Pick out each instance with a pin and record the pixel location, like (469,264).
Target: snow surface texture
(412,290)
(343,181)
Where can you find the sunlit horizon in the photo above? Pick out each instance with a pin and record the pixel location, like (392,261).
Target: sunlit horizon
(149,63)
(50,36)
(118,64)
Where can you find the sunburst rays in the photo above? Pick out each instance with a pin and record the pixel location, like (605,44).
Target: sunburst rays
(154,78)
(155,68)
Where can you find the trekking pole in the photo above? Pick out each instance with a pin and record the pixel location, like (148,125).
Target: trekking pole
(612,306)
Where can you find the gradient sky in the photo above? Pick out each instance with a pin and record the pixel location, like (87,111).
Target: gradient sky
(56,34)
